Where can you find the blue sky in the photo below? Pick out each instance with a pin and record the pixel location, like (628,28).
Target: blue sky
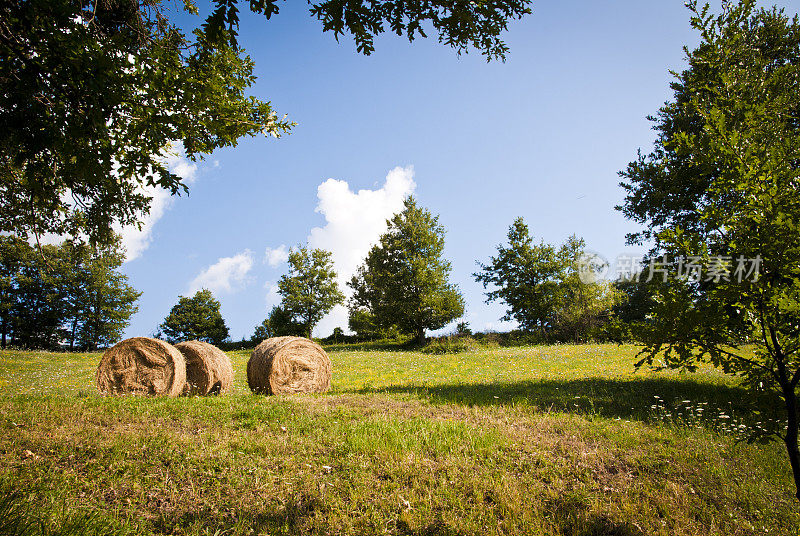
(541,136)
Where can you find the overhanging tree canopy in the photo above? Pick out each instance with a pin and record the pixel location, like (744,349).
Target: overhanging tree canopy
(92,92)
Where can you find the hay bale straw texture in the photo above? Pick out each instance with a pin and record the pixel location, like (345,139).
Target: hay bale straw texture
(142,366)
(208,369)
(285,365)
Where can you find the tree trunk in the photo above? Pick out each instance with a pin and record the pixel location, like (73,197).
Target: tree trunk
(4,334)
(420,337)
(791,437)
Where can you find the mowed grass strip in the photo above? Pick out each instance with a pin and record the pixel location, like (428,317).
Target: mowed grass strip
(542,440)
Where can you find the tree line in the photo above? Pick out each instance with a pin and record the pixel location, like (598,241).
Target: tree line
(402,289)
(71,293)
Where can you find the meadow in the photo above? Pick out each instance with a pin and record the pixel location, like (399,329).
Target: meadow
(546,440)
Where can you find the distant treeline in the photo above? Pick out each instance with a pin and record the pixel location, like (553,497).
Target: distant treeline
(70,295)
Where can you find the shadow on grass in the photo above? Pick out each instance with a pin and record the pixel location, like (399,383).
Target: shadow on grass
(611,398)
(307,515)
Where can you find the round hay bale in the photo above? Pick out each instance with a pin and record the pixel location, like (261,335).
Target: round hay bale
(208,369)
(143,366)
(285,365)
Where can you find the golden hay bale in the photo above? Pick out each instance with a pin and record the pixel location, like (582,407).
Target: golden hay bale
(285,365)
(143,366)
(208,369)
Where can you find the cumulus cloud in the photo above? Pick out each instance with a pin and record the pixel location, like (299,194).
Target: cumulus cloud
(273,297)
(137,239)
(354,222)
(276,256)
(226,275)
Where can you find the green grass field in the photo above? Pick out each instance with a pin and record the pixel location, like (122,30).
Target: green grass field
(534,440)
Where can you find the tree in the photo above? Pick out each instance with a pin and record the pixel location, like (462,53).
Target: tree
(39,307)
(526,279)
(69,292)
(263,331)
(196,318)
(463,329)
(721,190)
(98,300)
(585,301)
(542,285)
(12,255)
(309,291)
(366,327)
(403,282)
(95,91)
(635,300)
(279,323)
(108,301)
(337,334)
(282,323)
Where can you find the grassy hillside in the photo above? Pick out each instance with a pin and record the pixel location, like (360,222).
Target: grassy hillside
(538,440)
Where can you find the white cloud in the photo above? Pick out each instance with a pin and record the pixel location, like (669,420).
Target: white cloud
(337,318)
(136,240)
(273,298)
(354,222)
(276,256)
(227,274)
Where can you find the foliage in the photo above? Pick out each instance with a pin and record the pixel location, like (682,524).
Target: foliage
(68,292)
(448,345)
(37,314)
(459,25)
(366,327)
(403,282)
(462,328)
(338,334)
(196,318)
(279,323)
(309,291)
(542,286)
(635,299)
(283,323)
(263,331)
(100,301)
(723,180)
(96,92)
